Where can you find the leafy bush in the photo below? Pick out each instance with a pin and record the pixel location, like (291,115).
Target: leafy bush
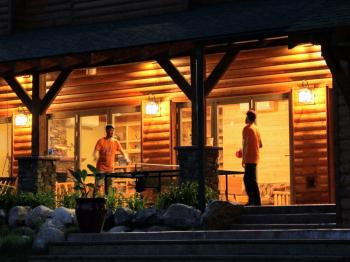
(136,202)
(12,242)
(186,194)
(114,200)
(7,201)
(69,200)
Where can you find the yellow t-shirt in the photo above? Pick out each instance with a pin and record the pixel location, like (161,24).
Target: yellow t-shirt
(251,144)
(107,149)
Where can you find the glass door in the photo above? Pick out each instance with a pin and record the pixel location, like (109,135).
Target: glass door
(61,142)
(230,123)
(92,128)
(274,166)
(5,148)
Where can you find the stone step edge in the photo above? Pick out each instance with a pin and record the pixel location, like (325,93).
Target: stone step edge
(193,257)
(200,234)
(206,241)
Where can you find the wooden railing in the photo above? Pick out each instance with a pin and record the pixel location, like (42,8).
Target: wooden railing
(281,198)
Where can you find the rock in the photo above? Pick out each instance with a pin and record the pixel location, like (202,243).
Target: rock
(147,216)
(220,215)
(64,215)
(2,217)
(181,216)
(46,235)
(119,229)
(51,222)
(109,220)
(17,215)
(37,216)
(123,216)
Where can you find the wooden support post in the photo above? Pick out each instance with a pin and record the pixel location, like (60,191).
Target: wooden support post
(198,116)
(39,123)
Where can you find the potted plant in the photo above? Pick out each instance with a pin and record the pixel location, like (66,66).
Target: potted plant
(91,208)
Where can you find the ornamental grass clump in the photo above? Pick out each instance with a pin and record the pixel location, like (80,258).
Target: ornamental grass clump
(187,194)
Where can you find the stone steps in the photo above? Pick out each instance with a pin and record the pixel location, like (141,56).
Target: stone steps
(243,258)
(269,233)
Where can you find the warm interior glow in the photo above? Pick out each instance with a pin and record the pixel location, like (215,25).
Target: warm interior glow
(21,119)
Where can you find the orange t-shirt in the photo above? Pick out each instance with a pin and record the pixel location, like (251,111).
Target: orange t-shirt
(251,144)
(107,149)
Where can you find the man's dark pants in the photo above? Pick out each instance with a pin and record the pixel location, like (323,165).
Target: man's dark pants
(251,186)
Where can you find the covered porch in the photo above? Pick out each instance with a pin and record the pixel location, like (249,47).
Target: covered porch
(203,83)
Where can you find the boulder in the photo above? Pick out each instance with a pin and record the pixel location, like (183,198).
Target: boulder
(123,216)
(17,215)
(220,215)
(51,222)
(181,216)
(2,217)
(119,229)
(47,234)
(109,220)
(37,216)
(147,217)
(64,215)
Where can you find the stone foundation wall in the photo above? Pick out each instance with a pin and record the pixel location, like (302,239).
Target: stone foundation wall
(37,173)
(188,161)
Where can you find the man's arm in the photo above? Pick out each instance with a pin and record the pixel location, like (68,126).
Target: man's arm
(125,155)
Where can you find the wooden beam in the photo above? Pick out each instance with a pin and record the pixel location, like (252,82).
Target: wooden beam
(176,76)
(54,90)
(20,92)
(339,72)
(39,124)
(220,70)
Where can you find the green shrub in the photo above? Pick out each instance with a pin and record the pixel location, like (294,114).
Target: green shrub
(69,200)
(12,242)
(186,194)
(136,202)
(113,199)
(7,201)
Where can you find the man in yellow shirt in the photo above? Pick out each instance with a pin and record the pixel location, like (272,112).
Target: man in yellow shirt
(106,148)
(250,158)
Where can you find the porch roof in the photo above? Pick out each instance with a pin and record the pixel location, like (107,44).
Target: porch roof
(238,20)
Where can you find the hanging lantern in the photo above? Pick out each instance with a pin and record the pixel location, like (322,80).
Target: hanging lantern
(306,94)
(152,106)
(21,119)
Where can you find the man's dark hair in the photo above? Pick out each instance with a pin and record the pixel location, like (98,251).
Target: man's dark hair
(109,127)
(251,115)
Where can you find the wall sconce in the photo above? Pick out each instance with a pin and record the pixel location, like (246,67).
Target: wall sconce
(21,119)
(306,94)
(152,106)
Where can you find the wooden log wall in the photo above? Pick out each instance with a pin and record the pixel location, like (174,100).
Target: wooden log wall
(311,154)
(5,17)
(261,71)
(32,14)
(21,144)
(156,135)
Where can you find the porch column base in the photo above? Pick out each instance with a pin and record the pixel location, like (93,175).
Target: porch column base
(187,157)
(37,173)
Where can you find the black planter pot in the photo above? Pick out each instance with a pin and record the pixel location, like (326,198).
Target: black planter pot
(91,214)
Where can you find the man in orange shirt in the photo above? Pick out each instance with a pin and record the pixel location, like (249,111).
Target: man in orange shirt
(107,147)
(250,158)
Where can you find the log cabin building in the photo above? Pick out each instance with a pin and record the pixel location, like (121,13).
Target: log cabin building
(72,66)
